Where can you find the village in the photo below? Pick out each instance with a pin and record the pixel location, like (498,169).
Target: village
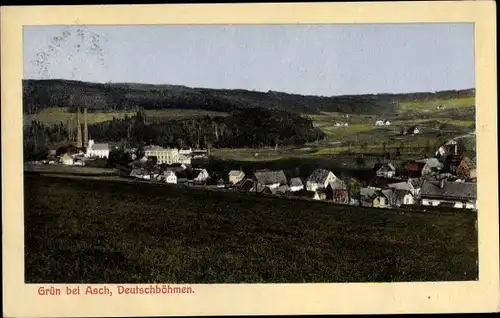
(446,180)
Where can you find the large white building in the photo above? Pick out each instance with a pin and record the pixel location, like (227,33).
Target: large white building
(97,150)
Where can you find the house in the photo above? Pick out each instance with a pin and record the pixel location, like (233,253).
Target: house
(246,185)
(305,194)
(387,123)
(449,194)
(379,123)
(466,169)
(385,170)
(66,159)
(413,130)
(296,184)
(258,188)
(380,183)
(336,191)
(413,185)
(402,197)
(346,124)
(170,177)
(319,179)
(271,179)
(140,173)
(163,155)
(337,124)
(185,151)
(201,176)
(98,150)
(235,176)
(432,166)
(282,189)
(375,198)
(414,169)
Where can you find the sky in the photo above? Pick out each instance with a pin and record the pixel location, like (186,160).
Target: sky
(323,60)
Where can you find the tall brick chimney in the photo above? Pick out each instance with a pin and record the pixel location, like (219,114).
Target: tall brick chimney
(85,129)
(79,143)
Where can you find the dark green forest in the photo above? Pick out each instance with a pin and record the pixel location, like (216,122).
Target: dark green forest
(41,94)
(253,127)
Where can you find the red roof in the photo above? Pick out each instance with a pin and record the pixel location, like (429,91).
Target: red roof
(415,166)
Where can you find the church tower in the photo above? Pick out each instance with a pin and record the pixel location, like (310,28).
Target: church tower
(79,143)
(85,129)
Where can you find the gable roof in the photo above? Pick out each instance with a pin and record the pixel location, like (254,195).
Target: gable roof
(267,177)
(380,182)
(415,166)
(100,147)
(319,175)
(401,186)
(337,184)
(296,182)
(450,190)
(235,173)
(399,194)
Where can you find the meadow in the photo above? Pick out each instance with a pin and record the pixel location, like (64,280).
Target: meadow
(98,231)
(56,115)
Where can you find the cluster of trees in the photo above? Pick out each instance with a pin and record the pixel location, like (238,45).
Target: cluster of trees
(253,127)
(41,94)
(37,137)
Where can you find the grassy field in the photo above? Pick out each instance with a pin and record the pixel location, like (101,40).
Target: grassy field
(431,105)
(90,231)
(55,115)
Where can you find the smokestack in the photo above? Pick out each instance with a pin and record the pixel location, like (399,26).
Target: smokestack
(85,129)
(78,129)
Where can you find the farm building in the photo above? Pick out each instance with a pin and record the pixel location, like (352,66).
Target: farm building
(402,197)
(319,179)
(66,159)
(449,194)
(170,177)
(336,191)
(375,198)
(271,179)
(296,184)
(235,176)
(385,170)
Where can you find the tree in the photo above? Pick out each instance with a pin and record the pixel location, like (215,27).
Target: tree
(360,161)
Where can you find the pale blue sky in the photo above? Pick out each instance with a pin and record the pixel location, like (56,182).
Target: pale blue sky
(307,59)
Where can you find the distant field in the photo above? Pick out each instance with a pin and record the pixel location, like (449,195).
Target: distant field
(92,231)
(55,115)
(434,104)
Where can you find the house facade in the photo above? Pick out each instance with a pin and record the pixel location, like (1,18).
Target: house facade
(163,155)
(202,176)
(385,170)
(235,176)
(336,191)
(462,195)
(269,178)
(296,184)
(319,179)
(98,150)
(170,177)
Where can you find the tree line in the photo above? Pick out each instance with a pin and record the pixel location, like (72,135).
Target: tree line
(41,94)
(254,128)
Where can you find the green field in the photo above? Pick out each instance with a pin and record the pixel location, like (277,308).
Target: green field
(55,115)
(93,231)
(430,105)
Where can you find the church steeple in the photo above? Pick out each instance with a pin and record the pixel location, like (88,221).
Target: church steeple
(79,143)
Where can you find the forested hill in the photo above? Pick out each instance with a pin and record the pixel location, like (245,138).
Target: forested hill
(41,94)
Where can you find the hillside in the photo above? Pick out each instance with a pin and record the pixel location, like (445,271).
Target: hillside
(216,237)
(42,94)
